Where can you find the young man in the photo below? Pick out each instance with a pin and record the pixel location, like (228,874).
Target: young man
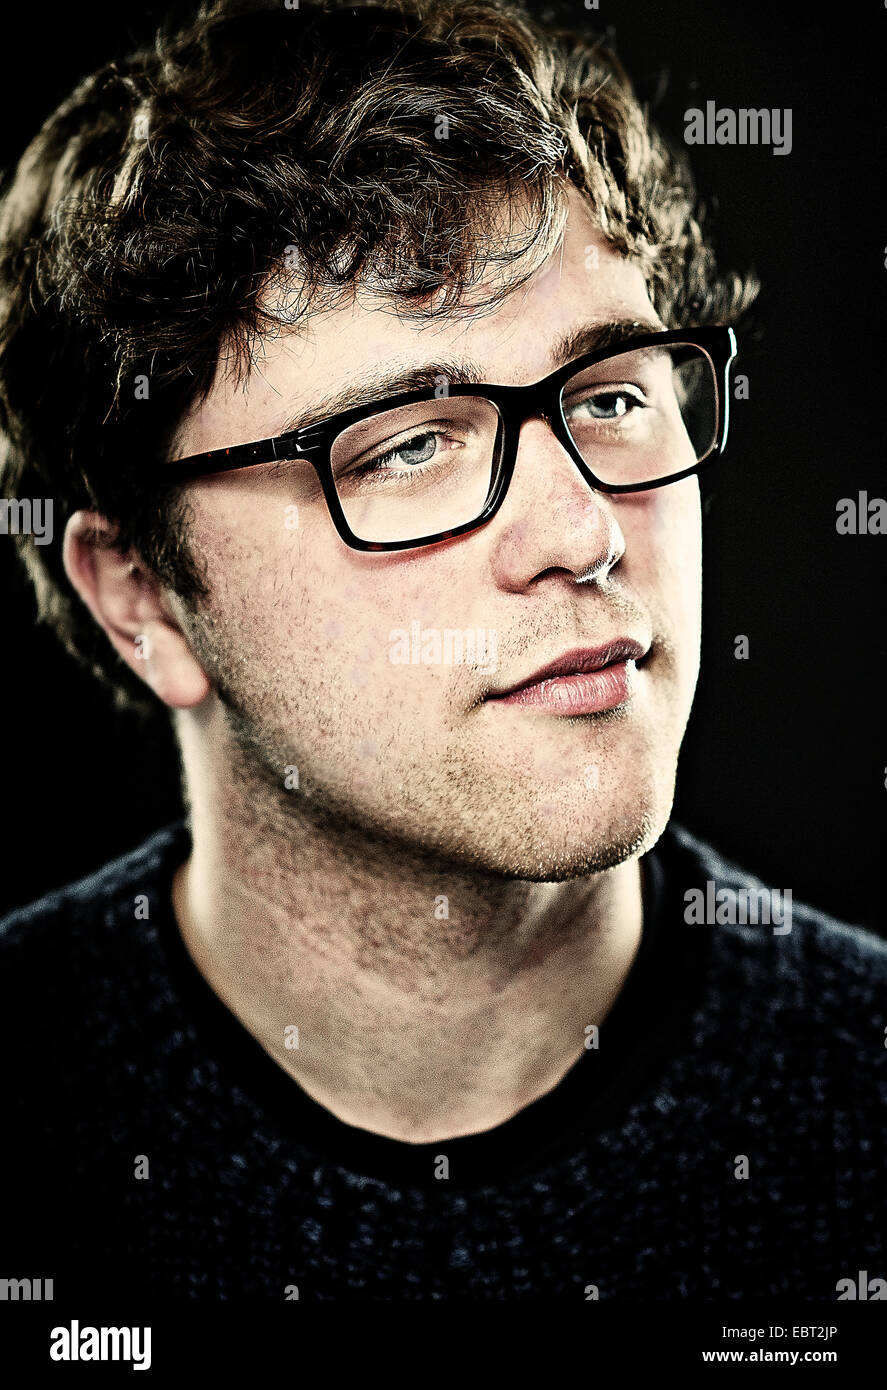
(426,998)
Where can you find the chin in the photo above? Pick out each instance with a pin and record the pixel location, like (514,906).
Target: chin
(554,848)
(594,852)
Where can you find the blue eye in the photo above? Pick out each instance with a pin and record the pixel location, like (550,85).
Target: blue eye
(420,453)
(604,405)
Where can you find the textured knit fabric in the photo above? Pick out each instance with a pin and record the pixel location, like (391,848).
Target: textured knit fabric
(725,1138)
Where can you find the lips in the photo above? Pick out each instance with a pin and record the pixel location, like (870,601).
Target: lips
(579,661)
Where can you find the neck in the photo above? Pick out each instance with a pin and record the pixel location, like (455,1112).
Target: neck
(431,1000)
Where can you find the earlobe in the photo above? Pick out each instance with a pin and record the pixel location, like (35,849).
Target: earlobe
(160,654)
(126,601)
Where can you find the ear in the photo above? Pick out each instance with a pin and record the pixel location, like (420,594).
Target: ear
(128,603)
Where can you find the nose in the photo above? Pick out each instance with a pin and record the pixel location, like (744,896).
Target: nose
(551,520)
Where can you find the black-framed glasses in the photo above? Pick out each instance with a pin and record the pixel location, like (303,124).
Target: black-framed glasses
(421,467)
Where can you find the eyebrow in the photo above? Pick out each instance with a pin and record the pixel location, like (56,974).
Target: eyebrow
(364,389)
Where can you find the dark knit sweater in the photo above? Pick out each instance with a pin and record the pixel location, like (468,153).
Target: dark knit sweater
(727,1040)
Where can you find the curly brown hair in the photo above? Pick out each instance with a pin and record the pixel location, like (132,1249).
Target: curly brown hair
(147,218)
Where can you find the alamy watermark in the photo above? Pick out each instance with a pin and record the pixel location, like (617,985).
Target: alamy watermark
(25,1290)
(76,1343)
(718,907)
(26,516)
(861,516)
(721,125)
(449,646)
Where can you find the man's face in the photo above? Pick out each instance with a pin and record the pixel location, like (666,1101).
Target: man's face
(300,631)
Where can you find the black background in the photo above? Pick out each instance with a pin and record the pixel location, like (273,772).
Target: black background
(785,761)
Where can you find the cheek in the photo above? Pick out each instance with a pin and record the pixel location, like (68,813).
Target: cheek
(663,567)
(299,619)
(664,545)
(687,524)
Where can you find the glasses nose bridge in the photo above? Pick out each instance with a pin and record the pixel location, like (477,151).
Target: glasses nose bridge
(539,401)
(542,401)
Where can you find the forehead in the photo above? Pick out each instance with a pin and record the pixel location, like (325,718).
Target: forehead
(584,281)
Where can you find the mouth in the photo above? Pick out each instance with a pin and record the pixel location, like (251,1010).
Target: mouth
(585,680)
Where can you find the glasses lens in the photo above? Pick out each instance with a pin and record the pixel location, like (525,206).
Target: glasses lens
(418,470)
(644,415)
